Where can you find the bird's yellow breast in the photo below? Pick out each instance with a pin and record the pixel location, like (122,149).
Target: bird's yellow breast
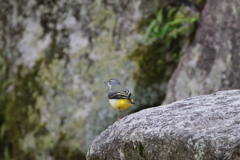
(120,104)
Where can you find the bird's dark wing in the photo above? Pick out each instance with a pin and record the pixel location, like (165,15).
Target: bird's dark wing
(120,95)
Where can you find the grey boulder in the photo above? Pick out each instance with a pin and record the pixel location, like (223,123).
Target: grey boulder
(202,127)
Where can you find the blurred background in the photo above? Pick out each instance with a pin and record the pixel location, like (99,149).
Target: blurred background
(56,54)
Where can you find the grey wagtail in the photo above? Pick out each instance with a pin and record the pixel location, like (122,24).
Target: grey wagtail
(118,96)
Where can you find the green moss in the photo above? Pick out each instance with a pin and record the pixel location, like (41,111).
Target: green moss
(140,150)
(18,113)
(153,62)
(160,50)
(157,55)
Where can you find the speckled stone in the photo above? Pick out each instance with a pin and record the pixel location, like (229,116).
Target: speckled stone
(211,63)
(202,127)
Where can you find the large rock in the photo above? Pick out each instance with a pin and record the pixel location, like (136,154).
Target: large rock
(203,127)
(212,61)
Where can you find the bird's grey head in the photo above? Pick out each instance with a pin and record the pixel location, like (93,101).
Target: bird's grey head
(112,82)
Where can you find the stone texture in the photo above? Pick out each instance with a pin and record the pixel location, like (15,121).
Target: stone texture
(202,127)
(212,61)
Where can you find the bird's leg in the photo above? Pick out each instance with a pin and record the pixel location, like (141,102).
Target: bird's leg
(118,114)
(126,111)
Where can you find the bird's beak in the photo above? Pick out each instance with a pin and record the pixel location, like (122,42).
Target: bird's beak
(105,82)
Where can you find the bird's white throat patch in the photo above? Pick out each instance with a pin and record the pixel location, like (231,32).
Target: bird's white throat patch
(113,102)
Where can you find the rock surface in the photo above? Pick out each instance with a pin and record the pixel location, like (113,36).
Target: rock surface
(212,60)
(203,127)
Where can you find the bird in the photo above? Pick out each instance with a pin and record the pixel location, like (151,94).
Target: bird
(119,97)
